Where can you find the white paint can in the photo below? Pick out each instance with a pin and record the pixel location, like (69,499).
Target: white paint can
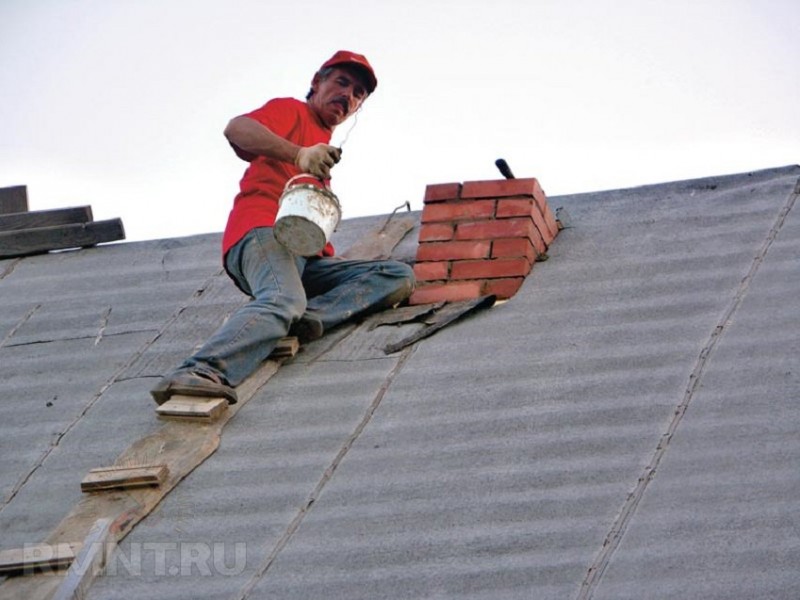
(308,213)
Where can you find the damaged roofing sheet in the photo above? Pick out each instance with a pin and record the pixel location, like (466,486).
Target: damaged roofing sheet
(625,427)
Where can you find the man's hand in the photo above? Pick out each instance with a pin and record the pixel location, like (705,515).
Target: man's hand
(318,159)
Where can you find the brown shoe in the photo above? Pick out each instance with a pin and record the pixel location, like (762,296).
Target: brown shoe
(188,383)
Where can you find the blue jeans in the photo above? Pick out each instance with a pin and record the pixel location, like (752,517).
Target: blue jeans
(285,287)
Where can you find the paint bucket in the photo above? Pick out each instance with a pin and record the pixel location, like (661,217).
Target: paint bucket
(307,215)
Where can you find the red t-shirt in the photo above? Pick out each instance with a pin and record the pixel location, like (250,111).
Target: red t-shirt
(256,204)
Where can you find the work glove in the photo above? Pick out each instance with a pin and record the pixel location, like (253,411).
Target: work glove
(318,159)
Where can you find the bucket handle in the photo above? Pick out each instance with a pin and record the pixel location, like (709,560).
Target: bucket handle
(305,176)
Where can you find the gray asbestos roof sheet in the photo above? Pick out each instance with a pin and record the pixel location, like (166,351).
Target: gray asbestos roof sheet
(625,427)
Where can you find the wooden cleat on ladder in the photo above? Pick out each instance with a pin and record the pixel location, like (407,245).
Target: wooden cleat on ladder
(112,478)
(286,348)
(36,559)
(194,408)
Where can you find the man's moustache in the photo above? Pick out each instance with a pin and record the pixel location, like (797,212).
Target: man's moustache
(344,104)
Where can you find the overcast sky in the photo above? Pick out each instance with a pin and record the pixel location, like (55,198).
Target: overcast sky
(120,104)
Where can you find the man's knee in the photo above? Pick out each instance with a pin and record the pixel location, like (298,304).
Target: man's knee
(403,280)
(405,275)
(286,307)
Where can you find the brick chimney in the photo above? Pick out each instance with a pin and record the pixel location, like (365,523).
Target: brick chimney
(480,238)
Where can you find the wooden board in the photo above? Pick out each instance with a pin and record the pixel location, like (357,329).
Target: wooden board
(45,218)
(43,239)
(107,478)
(287,347)
(41,557)
(380,244)
(193,408)
(13,199)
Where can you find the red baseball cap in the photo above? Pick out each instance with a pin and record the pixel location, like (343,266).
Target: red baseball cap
(358,60)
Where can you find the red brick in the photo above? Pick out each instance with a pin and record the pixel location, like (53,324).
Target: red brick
(449,292)
(541,226)
(545,211)
(455,211)
(500,228)
(437,192)
(500,188)
(491,268)
(511,247)
(539,196)
(431,271)
(436,232)
(515,207)
(453,250)
(538,242)
(502,288)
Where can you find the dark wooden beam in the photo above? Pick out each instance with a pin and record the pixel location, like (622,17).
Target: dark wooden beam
(13,199)
(43,239)
(45,218)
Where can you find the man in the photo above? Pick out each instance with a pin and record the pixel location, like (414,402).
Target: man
(289,293)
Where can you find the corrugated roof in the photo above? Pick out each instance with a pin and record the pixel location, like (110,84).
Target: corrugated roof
(625,427)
